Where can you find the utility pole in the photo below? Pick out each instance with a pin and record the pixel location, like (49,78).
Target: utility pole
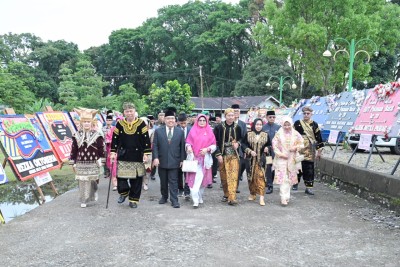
(201,88)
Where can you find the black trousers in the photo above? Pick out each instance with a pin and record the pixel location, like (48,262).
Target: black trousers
(133,189)
(270,175)
(169,182)
(153,171)
(182,185)
(214,167)
(244,165)
(307,173)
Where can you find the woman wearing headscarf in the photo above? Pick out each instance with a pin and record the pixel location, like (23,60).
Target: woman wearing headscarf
(87,155)
(200,144)
(255,145)
(286,144)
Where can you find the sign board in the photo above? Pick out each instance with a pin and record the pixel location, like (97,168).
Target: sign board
(320,107)
(379,116)
(43,178)
(3,176)
(24,143)
(59,130)
(345,111)
(365,141)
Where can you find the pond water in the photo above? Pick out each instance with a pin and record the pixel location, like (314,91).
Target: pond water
(18,199)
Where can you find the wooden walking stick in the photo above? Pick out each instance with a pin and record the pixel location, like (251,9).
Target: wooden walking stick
(109,182)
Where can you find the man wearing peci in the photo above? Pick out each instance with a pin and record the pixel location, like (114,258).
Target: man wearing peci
(271,128)
(168,155)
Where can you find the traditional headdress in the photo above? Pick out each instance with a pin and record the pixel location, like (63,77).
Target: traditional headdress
(86,114)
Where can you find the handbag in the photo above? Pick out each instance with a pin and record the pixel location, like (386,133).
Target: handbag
(269,160)
(189,165)
(299,158)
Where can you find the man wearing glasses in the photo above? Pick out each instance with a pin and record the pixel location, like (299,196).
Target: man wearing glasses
(313,147)
(270,128)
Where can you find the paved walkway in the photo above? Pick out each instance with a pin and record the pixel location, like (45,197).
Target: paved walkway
(320,230)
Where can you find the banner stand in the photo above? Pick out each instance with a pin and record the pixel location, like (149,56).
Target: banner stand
(337,143)
(10,111)
(395,167)
(374,138)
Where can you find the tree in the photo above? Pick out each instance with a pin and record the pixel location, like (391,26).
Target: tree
(257,73)
(14,93)
(82,87)
(301,30)
(171,95)
(129,94)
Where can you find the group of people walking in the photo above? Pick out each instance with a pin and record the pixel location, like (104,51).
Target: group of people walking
(270,154)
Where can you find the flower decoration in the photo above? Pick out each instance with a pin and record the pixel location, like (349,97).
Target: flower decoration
(384,91)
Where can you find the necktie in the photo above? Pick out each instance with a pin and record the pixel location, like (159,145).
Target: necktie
(169,136)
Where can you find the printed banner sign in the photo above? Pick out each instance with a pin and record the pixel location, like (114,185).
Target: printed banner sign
(59,129)
(379,116)
(365,141)
(320,110)
(333,136)
(43,178)
(3,176)
(345,110)
(26,146)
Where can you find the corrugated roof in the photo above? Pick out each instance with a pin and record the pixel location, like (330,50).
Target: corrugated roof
(245,102)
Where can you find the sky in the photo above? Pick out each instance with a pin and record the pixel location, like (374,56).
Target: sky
(84,22)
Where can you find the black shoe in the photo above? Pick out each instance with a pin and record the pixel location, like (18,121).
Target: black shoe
(152,177)
(121,199)
(241,178)
(237,191)
(187,197)
(133,205)
(214,180)
(309,192)
(162,201)
(224,199)
(270,190)
(295,187)
(176,205)
(209,186)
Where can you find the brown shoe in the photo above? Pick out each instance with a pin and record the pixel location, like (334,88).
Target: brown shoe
(252,197)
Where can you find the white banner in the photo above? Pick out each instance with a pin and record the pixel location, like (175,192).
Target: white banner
(365,141)
(43,178)
(333,136)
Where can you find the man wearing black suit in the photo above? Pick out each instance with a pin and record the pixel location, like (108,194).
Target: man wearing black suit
(184,189)
(168,155)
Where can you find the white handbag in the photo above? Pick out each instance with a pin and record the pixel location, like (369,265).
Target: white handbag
(189,165)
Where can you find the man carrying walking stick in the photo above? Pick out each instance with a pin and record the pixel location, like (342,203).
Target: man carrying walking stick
(132,144)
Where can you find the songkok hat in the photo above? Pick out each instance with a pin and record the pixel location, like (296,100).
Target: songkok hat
(229,110)
(86,114)
(235,106)
(169,113)
(109,111)
(109,117)
(150,117)
(270,112)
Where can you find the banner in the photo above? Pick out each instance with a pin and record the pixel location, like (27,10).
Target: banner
(379,116)
(59,129)
(345,110)
(26,147)
(3,176)
(320,107)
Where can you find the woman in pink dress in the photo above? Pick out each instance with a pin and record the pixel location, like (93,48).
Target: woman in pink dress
(286,144)
(200,144)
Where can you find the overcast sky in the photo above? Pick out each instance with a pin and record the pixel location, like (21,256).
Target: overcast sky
(84,22)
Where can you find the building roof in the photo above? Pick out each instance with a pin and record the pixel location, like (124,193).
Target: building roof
(245,102)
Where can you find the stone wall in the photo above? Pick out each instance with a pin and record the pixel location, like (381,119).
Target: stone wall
(380,188)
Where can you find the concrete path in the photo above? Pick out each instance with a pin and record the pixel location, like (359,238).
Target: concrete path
(322,230)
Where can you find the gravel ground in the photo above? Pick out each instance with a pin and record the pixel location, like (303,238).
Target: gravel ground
(332,228)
